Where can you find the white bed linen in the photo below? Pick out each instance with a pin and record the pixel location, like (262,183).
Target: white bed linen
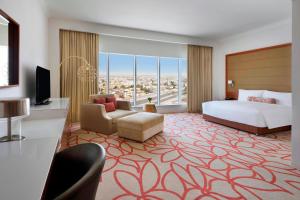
(244,94)
(250,113)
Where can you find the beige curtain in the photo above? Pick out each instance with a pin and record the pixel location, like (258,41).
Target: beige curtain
(80,45)
(199,77)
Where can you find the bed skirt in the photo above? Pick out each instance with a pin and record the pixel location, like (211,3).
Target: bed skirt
(245,127)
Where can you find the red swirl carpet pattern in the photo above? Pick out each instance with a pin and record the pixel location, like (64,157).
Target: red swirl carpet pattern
(195,159)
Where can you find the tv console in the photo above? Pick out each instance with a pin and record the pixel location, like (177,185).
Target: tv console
(43,103)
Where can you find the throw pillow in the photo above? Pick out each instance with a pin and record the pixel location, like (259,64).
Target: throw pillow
(100,100)
(262,100)
(111,99)
(110,107)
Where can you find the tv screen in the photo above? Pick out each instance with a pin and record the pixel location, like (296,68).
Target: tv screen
(42,85)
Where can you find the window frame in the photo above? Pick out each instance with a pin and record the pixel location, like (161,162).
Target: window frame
(179,76)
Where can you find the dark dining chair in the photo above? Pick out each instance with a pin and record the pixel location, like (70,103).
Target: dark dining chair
(75,173)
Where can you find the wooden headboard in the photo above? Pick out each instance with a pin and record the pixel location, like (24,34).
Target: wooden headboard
(260,69)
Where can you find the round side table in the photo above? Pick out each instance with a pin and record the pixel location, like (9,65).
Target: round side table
(149,107)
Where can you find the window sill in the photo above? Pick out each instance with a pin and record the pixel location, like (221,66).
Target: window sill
(167,105)
(175,108)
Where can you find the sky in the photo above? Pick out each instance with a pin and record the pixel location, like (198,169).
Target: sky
(123,65)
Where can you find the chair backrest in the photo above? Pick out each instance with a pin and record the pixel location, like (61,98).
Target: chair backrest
(94,96)
(75,173)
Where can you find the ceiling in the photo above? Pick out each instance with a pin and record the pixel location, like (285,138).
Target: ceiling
(199,18)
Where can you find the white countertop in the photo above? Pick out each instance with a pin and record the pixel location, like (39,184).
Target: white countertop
(58,108)
(25,164)
(44,128)
(55,103)
(24,168)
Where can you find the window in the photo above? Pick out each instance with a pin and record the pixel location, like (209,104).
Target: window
(4,65)
(146,79)
(137,77)
(121,76)
(103,66)
(168,81)
(183,80)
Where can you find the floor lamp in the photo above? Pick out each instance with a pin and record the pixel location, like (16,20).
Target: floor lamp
(85,72)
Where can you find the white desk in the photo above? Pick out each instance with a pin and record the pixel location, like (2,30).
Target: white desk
(24,165)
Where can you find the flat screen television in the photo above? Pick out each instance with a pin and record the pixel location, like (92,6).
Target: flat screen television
(42,85)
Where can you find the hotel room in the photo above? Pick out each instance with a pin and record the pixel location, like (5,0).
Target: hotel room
(165,99)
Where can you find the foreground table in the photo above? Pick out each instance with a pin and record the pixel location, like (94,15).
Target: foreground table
(25,164)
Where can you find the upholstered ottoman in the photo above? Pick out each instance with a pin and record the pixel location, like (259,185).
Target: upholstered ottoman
(140,126)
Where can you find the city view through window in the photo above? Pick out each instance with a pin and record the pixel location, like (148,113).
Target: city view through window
(4,65)
(136,78)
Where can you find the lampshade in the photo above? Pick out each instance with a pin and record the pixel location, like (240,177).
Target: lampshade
(230,82)
(14,107)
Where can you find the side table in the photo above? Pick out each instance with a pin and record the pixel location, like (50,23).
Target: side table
(149,107)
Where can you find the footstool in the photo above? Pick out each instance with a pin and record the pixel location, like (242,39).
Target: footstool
(140,126)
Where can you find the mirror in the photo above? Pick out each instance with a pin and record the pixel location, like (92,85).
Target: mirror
(9,51)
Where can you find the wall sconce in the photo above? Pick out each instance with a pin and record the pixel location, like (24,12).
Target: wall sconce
(230,83)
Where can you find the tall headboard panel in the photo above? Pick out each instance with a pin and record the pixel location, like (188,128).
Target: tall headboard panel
(260,69)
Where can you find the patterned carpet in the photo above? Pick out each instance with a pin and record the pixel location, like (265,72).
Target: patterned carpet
(195,159)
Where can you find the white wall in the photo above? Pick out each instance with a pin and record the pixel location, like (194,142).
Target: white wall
(141,47)
(105,31)
(296,85)
(274,34)
(32,18)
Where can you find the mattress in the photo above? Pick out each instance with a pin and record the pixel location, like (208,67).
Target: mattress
(261,115)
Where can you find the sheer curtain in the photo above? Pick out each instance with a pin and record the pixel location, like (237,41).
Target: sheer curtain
(199,77)
(84,45)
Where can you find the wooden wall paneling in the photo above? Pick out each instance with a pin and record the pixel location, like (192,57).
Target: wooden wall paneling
(261,69)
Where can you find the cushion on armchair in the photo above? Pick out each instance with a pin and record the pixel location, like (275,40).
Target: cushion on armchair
(111,99)
(100,100)
(119,114)
(109,107)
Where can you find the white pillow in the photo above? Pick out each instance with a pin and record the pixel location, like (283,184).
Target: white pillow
(244,94)
(282,98)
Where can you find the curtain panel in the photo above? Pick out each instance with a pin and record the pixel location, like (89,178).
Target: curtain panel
(73,46)
(199,77)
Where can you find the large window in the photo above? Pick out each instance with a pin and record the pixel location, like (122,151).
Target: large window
(146,79)
(183,80)
(4,65)
(103,66)
(168,81)
(121,76)
(136,78)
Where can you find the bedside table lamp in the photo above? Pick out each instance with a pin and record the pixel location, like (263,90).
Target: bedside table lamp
(13,108)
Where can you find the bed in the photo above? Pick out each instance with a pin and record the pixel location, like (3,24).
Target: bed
(249,116)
